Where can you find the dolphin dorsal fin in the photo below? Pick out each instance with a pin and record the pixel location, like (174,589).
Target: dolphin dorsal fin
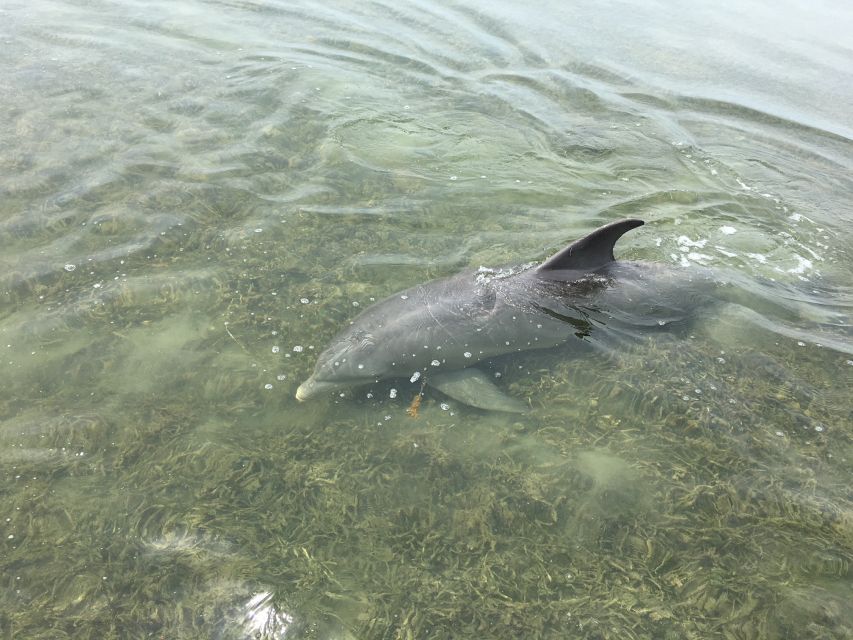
(592,251)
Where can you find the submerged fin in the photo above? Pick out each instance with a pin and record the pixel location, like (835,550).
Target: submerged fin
(474,388)
(592,251)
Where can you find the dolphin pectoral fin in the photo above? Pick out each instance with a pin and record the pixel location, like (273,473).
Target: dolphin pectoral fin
(474,388)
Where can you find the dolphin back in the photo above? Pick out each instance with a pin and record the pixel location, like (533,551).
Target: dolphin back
(592,251)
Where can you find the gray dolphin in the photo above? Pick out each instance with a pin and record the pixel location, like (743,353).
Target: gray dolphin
(438,331)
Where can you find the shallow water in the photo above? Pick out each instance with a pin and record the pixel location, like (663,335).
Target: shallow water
(197,195)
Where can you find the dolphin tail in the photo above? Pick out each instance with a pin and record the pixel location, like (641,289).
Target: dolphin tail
(592,251)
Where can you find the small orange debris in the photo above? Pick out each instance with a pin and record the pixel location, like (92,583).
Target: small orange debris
(413,408)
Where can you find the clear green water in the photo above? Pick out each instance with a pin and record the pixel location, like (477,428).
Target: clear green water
(176,177)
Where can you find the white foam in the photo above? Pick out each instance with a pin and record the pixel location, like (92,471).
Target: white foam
(701,258)
(685,243)
(803,265)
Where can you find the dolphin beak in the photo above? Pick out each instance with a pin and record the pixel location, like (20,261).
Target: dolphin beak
(312,387)
(304,390)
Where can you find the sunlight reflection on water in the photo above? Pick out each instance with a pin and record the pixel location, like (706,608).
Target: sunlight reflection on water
(264,619)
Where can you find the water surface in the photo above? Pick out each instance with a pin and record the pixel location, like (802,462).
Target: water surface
(195,196)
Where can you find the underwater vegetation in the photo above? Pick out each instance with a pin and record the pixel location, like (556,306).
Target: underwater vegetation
(658,498)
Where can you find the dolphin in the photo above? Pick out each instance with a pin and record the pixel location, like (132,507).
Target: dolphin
(438,331)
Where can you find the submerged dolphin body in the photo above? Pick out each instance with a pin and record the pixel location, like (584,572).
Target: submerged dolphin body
(441,329)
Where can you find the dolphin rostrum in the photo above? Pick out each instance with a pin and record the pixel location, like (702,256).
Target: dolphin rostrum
(440,329)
